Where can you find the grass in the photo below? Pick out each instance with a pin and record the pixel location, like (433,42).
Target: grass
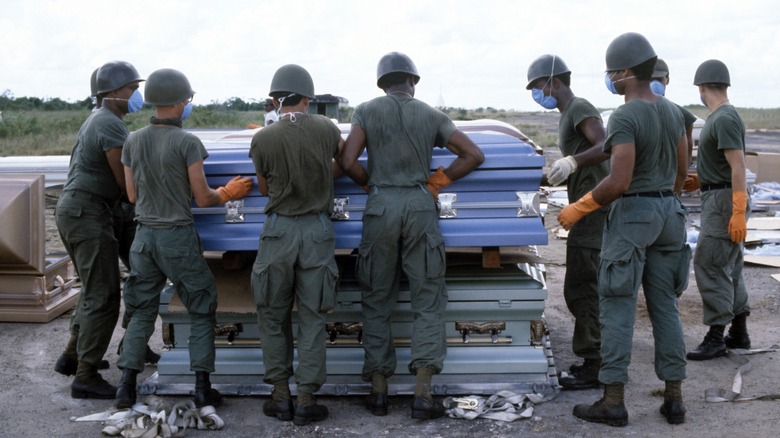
(54,132)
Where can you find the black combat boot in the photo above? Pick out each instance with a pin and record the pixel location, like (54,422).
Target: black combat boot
(424,407)
(280,405)
(673,408)
(205,395)
(307,410)
(609,410)
(126,391)
(738,334)
(90,384)
(585,376)
(68,362)
(712,346)
(377,398)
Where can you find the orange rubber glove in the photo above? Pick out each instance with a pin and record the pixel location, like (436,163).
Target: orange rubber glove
(236,188)
(691,183)
(437,181)
(574,212)
(738,222)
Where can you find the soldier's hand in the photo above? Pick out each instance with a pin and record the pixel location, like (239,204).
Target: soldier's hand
(572,213)
(561,169)
(236,188)
(738,221)
(691,183)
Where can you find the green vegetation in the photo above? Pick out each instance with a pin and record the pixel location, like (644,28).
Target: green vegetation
(32,126)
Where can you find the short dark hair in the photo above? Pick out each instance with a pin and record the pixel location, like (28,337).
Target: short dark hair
(644,71)
(394,78)
(287,98)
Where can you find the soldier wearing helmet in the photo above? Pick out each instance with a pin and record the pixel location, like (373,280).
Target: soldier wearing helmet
(163,167)
(580,139)
(85,221)
(399,133)
(724,210)
(294,161)
(644,237)
(658,84)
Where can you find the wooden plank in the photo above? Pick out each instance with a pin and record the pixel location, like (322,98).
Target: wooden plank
(773,261)
(764,223)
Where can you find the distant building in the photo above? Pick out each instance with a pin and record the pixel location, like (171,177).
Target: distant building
(327,105)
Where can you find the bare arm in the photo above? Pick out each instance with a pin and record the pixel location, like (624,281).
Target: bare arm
(593,129)
(736,160)
(469,155)
(689,139)
(621,172)
(353,147)
(682,164)
(114,157)
(205,196)
(132,194)
(337,171)
(262,184)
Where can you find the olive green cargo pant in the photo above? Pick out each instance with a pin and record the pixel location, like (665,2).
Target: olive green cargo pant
(401,233)
(581,292)
(644,244)
(85,224)
(718,262)
(175,254)
(296,261)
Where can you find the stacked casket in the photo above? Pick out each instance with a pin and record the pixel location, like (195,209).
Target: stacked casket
(491,223)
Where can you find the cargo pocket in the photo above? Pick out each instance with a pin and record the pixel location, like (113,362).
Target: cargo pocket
(619,273)
(259,284)
(681,274)
(363,265)
(330,275)
(435,262)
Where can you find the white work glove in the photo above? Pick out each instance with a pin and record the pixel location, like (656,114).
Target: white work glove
(561,169)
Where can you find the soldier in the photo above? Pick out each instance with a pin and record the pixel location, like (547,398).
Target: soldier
(400,225)
(271,115)
(644,235)
(84,216)
(580,139)
(724,210)
(658,84)
(296,260)
(164,168)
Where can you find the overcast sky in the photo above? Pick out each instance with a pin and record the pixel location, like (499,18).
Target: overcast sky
(470,54)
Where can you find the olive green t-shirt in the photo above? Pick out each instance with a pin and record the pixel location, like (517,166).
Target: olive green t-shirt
(654,129)
(586,233)
(296,159)
(89,170)
(159,156)
(401,133)
(722,130)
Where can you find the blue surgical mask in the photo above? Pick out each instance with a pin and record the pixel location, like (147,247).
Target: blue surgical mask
(608,82)
(547,102)
(658,87)
(187,111)
(135,103)
(611,84)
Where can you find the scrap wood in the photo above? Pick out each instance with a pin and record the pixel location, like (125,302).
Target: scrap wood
(773,261)
(763,223)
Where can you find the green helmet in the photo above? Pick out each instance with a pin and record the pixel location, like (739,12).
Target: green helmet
(546,66)
(167,86)
(628,50)
(93,83)
(661,69)
(115,75)
(292,78)
(395,62)
(712,72)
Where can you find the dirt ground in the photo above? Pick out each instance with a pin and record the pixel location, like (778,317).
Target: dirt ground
(36,401)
